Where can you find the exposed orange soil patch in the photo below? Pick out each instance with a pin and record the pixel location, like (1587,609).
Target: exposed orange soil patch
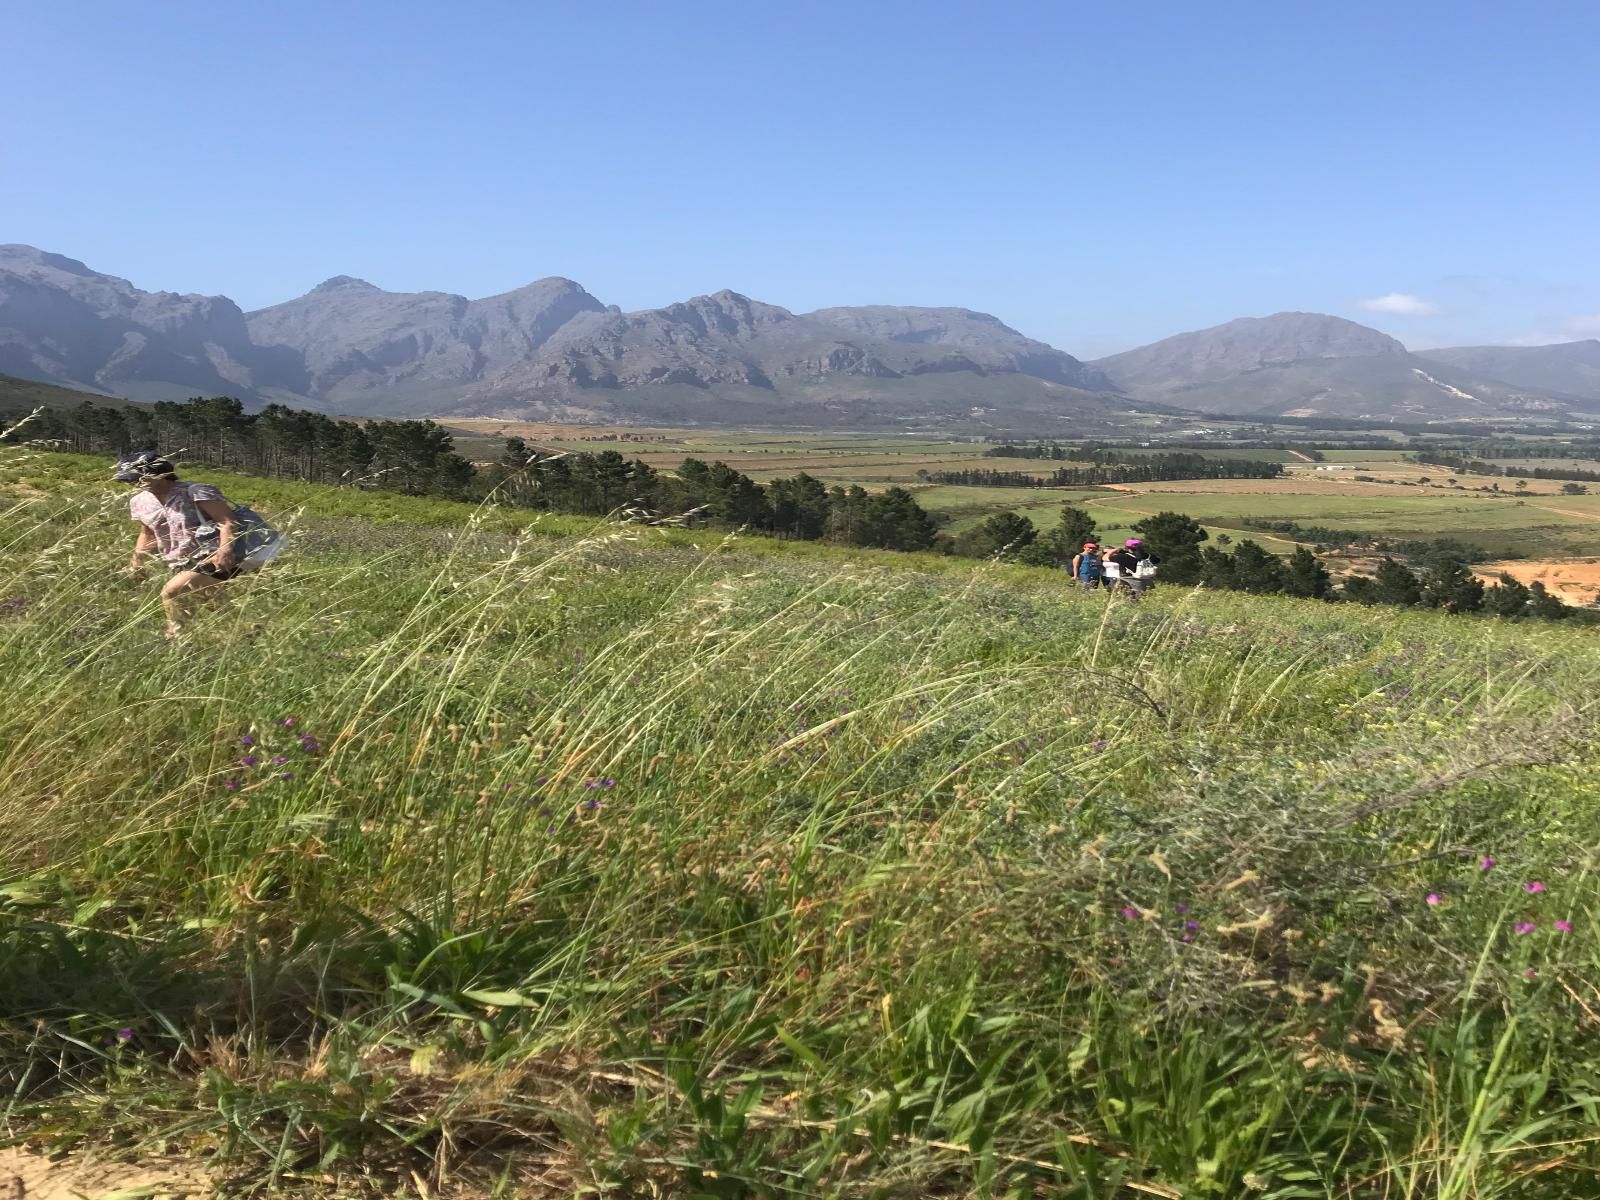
(25,1176)
(1576,580)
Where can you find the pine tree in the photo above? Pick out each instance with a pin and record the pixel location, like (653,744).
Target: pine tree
(1543,605)
(1174,540)
(1257,570)
(1508,598)
(1067,538)
(1394,583)
(1217,569)
(1450,584)
(1307,577)
(1004,534)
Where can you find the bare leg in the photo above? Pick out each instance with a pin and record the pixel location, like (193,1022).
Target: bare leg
(182,590)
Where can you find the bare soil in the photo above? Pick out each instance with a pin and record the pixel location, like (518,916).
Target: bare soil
(1575,580)
(28,1176)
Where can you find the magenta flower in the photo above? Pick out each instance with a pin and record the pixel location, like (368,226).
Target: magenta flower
(1533,888)
(1188,937)
(286,722)
(1563,926)
(247,740)
(232,785)
(278,760)
(1529,973)
(1526,926)
(287,775)
(1191,926)
(249,760)
(1433,898)
(1486,863)
(124,1035)
(1131,913)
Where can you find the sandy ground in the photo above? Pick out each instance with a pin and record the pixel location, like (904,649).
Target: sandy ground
(25,1176)
(1575,580)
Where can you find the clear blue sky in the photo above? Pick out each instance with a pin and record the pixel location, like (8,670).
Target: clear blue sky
(1096,174)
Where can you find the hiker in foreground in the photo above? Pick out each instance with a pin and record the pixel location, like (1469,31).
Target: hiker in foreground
(204,540)
(1087,568)
(1132,567)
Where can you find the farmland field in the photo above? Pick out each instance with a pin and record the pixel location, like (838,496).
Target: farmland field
(468,852)
(1392,502)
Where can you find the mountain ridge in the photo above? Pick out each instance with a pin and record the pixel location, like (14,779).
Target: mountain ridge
(550,350)
(1297,364)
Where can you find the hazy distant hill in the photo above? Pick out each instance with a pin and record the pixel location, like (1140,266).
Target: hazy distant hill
(1309,364)
(546,350)
(1570,368)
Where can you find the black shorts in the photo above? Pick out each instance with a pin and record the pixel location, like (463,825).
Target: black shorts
(215,572)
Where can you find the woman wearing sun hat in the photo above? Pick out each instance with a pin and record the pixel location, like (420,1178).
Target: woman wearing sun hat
(1087,568)
(203,539)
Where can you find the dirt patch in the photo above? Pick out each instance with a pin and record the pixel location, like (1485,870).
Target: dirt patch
(1575,580)
(25,1176)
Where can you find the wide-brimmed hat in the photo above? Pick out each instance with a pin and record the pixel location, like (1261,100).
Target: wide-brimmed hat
(141,464)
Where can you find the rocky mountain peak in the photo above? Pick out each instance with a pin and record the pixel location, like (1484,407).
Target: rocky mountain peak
(344,283)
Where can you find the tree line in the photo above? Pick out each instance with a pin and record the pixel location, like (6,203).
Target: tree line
(1441,577)
(418,458)
(1465,464)
(1143,469)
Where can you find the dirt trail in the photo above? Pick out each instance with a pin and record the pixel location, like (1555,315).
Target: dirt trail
(1301,457)
(25,1176)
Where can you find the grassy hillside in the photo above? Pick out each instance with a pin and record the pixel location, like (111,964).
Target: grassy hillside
(462,853)
(29,394)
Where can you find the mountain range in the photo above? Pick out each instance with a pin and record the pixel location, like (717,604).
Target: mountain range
(552,351)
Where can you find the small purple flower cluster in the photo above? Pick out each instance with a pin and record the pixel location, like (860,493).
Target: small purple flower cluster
(306,744)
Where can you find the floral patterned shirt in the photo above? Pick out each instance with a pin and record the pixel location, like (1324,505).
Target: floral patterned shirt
(175,520)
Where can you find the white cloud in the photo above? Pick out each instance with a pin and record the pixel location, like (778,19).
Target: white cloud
(1585,327)
(1400,304)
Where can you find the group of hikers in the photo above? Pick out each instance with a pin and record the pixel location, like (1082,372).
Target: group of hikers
(206,541)
(1128,568)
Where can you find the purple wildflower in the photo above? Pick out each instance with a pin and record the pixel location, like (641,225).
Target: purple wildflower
(1188,937)
(1098,745)
(278,760)
(608,783)
(1563,926)
(1526,926)
(286,722)
(1131,913)
(1529,973)
(1180,908)
(287,775)
(1432,898)
(1533,887)
(249,760)
(1191,926)
(592,804)
(1486,863)
(232,785)
(247,740)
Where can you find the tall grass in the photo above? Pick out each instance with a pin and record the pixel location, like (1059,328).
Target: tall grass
(607,863)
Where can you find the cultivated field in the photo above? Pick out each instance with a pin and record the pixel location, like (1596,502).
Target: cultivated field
(466,853)
(1389,501)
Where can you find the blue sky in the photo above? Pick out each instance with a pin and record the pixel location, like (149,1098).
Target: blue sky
(1097,175)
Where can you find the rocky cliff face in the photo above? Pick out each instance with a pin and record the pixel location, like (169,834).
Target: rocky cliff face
(63,323)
